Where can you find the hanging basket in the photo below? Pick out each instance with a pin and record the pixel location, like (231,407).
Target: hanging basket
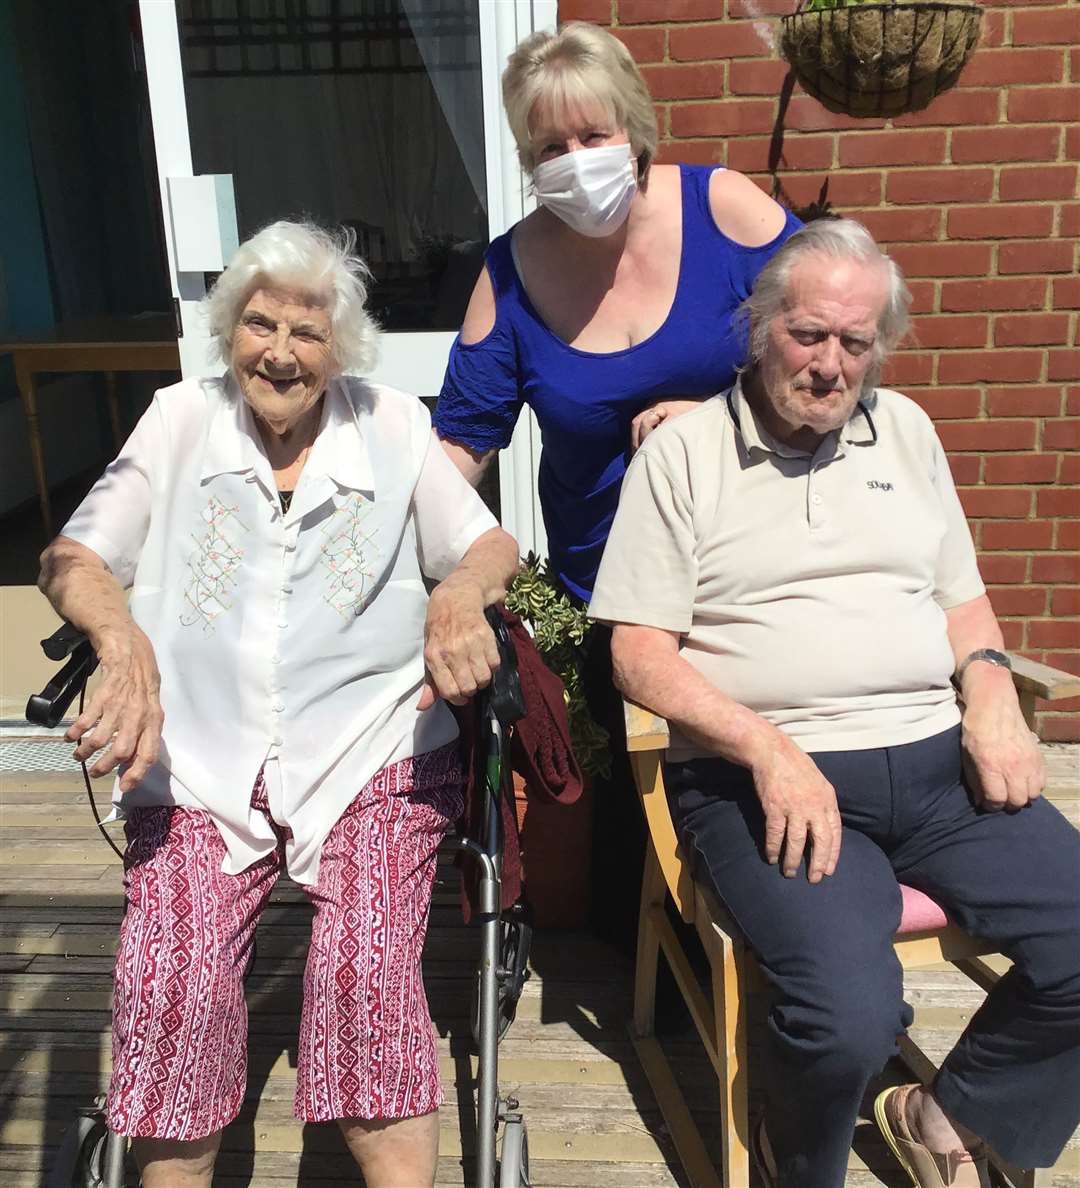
(876,60)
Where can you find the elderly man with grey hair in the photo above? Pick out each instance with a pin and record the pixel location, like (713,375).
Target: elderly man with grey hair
(792,584)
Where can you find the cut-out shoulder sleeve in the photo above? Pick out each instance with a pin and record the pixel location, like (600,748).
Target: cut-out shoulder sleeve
(481,394)
(480,316)
(743,212)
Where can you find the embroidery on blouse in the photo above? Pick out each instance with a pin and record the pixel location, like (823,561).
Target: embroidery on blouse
(212,566)
(348,552)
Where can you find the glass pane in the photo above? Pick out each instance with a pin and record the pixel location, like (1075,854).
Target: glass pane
(82,259)
(363,112)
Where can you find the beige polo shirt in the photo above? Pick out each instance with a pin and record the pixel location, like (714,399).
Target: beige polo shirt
(809,588)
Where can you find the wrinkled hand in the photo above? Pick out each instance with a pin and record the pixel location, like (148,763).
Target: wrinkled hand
(1002,761)
(459,646)
(125,708)
(800,805)
(654,416)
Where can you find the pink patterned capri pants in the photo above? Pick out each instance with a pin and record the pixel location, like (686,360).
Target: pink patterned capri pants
(367,1045)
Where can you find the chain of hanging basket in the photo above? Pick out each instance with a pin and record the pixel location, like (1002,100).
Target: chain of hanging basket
(878,60)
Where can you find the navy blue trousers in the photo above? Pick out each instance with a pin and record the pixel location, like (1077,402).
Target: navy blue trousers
(1013,878)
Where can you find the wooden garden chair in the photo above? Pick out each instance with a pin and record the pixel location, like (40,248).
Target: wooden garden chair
(925,938)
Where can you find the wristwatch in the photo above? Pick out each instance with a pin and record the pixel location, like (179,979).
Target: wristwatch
(990,655)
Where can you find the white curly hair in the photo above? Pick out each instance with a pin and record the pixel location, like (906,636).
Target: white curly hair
(304,256)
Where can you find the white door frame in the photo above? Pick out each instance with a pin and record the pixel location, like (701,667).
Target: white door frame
(503,23)
(413,362)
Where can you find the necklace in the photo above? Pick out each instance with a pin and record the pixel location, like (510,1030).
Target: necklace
(296,466)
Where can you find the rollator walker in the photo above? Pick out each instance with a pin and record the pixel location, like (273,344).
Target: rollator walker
(91,1156)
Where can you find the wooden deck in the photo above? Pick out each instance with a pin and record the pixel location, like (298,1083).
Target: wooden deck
(591,1118)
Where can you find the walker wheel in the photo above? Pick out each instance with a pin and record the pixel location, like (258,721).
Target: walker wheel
(80,1160)
(514,1165)
(515,941)
(90,1156)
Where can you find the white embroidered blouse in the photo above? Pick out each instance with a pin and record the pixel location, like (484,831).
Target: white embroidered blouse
(293,637)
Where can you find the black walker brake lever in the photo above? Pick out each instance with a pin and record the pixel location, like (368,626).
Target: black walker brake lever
(48,707)
(507,699)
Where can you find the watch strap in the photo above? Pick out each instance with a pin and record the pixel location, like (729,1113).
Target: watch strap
(990,655)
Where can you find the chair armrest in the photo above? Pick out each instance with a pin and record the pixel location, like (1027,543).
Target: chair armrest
(645,731)
(646,740)
(1040,680)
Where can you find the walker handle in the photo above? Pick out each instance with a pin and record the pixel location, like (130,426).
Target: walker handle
(48,707)
(506,698)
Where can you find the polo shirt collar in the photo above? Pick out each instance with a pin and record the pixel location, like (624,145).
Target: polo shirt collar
(859,428)
(340,450)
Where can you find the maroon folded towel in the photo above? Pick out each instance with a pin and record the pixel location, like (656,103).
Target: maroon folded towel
(540,745)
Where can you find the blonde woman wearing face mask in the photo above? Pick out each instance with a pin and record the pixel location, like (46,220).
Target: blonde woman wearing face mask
(614,296)
(608,309)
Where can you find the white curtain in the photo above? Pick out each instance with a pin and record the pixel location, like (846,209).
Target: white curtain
(459,90)
(376,148)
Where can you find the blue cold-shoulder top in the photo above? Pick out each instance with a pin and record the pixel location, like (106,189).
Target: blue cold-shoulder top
(585,401)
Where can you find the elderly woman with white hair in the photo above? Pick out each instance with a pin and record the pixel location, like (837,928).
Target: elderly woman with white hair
(272,704)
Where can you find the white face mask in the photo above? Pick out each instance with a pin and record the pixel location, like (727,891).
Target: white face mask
(590,189)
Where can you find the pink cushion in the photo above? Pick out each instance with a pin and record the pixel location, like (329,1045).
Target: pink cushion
(920,914)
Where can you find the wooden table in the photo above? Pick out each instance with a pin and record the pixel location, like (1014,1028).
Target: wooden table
(107,345)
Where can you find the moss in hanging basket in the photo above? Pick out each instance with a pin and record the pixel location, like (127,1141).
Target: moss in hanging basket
(879,59)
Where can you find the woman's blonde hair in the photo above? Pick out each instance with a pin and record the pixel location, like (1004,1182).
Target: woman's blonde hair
(580,64)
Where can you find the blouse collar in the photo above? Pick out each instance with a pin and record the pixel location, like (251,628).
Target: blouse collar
(340,451)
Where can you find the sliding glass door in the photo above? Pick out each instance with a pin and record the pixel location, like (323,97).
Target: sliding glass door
(382,115)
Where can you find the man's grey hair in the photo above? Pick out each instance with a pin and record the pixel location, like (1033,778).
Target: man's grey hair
(839,239)
(313,260)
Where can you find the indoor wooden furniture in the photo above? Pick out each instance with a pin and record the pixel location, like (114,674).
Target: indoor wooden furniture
(108,345)
(925,938)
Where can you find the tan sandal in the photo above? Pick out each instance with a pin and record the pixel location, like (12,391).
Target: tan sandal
(926,1168)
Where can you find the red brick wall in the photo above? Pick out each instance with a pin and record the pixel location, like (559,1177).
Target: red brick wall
(977,198)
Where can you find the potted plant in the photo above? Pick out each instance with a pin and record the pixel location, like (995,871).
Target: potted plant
(556,839)
(879,60)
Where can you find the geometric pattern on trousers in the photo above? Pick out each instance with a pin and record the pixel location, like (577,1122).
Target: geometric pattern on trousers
(367,1046)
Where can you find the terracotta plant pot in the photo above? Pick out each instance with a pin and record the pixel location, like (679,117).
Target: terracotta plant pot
(556,843)
(875,60)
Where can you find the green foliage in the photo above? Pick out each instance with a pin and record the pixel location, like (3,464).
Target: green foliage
(559,626)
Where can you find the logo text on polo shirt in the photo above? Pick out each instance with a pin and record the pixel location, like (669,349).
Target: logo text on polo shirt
(876,485)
